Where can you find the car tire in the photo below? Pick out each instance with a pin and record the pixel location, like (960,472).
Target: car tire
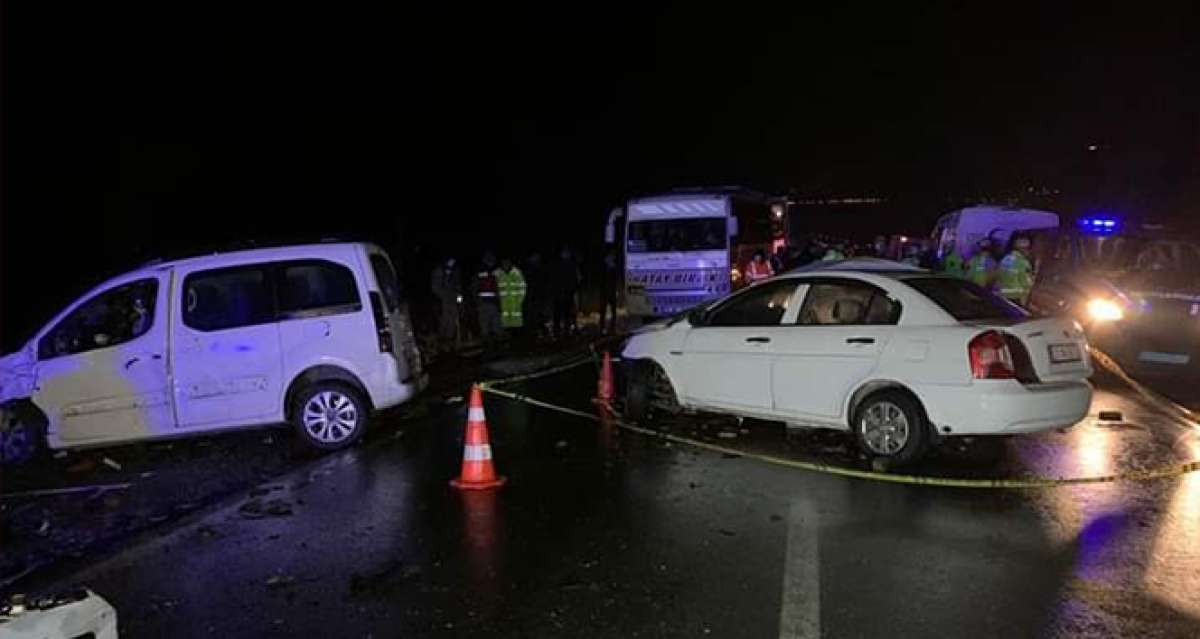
(22,439)
(329,415)
(890,426)
(638,391)
(649,391)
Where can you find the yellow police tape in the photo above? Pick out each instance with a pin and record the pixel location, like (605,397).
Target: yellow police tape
(953,482)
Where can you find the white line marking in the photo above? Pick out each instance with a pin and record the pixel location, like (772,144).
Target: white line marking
(800,612)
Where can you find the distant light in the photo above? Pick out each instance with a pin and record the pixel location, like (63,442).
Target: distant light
(1093,147)
(1109,223)
(903,238)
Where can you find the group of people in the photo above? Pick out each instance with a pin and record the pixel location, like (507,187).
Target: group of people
(1010,274)
(501,301)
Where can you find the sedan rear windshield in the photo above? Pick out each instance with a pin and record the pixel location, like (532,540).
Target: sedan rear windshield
(965,301)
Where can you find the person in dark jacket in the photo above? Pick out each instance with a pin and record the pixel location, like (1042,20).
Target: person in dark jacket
(564,283)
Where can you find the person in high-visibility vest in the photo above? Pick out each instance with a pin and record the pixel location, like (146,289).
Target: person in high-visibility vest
(511,283)
(1015,276)
(759,268)
(952,264)
(833,254)
(981,268)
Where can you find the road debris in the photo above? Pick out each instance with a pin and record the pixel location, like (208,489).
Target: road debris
(259,509)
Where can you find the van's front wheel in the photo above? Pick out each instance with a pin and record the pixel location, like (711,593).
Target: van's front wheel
(329,415)
(20,438)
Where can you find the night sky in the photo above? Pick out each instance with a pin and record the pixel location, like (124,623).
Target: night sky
(130,133)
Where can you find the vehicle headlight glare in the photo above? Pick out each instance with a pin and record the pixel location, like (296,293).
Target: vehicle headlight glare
(1103,310)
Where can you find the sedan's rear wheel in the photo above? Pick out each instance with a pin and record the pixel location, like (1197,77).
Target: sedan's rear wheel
(890,425)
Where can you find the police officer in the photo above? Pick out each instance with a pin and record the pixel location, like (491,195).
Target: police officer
(952,262)
(487,299)
(981,269)
(511,283)
(1015,276)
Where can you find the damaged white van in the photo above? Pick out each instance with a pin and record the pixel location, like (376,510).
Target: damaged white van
(317,335)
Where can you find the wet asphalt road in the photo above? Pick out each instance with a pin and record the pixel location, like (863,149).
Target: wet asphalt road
(603,533)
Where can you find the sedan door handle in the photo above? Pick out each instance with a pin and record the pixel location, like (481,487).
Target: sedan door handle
(860,340)
(759,340)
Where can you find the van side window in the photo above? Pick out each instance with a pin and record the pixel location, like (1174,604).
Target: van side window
(316,287)
(227,298)
(114,317)
(388,284)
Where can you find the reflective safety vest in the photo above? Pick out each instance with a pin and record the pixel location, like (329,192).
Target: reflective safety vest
(485,286)
(758,271)
(1016,277)
(832,255)
(512,295)
(981,269)
(952,264)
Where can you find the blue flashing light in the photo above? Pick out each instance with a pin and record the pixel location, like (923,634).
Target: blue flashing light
(1098,224)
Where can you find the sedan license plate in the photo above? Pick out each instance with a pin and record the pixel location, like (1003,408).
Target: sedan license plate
(1063,353)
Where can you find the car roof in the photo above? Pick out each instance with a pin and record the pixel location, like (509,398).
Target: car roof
(288,251)
(878,266)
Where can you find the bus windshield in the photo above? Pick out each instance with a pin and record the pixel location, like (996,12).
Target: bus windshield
(681,234)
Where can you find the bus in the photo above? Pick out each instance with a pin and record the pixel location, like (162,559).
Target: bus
(687,247)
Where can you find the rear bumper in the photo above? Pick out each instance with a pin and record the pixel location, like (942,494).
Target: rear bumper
(1002,407)
(386,387)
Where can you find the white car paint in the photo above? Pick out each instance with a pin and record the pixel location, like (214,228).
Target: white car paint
(813,374)
(175,380)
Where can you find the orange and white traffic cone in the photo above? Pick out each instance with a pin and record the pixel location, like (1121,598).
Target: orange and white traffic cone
(604,387)
(478,473)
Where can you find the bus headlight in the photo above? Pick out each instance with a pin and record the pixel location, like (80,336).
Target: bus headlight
(1104,310)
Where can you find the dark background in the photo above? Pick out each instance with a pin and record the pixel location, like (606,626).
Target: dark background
(137,132)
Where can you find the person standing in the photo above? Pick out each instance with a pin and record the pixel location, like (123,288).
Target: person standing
(511,284)
(487,300)
(759,268)
(833,254)
(1015,274)
(952,263)
(981,269)
(564,283)
(447,290)
(610,282)
(537,297)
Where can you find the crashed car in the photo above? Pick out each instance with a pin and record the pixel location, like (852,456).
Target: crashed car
(316,335)
(898,356)
(1135,292)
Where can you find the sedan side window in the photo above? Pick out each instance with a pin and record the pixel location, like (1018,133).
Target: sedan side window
(114,317)
(847,303)
(762,305)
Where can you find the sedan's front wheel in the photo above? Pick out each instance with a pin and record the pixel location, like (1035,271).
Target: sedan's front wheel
(890,425)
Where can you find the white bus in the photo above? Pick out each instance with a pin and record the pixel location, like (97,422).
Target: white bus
(687,247)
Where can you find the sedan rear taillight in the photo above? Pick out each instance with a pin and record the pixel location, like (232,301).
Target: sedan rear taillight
(383,328)
(990,357)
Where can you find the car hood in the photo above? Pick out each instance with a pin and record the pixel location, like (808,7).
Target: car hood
(1150,284)
(16,375)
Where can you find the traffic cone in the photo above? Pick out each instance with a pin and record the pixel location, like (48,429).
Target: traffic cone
(604,387)
(478,473)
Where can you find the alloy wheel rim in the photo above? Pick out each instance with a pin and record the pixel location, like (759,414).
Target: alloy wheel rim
(330,417)
(885,428)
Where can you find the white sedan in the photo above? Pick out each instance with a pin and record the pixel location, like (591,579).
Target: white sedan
(898,355)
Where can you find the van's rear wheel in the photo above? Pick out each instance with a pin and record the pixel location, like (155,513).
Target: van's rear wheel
(891,426)
(329,415)
(21,439)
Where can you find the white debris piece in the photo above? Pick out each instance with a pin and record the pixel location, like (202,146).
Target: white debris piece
(89,615)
